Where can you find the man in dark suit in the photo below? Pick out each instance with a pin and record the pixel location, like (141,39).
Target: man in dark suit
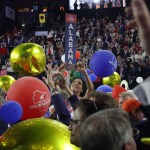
(102,2)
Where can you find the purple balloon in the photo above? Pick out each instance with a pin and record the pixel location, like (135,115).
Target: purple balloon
(103,63)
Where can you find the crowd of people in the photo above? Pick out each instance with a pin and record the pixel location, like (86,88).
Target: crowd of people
(92,34)
(96,120)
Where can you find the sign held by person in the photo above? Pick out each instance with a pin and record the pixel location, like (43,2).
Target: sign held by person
(70,38)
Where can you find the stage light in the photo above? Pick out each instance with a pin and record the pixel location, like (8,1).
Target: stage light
(45,10)
(96,1)
(23,25)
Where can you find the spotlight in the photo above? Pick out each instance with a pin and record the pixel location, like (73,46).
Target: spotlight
(23,25)
(96,1)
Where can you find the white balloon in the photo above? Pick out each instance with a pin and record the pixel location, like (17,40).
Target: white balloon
(139,79)
(125,83)
(63,58)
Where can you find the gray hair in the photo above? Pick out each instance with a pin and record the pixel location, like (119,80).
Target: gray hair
(125,94)
(106,130)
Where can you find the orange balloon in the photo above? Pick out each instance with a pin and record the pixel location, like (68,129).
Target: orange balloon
(32,94)
(77,55)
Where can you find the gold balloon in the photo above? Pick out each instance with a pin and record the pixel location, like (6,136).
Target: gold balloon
(30,147)
(37,134)
(28,59)
(112,80)
(6,81)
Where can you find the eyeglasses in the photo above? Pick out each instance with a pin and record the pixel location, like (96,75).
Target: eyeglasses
(136,133)
(72,121)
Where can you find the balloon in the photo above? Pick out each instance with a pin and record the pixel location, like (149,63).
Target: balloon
(139,79)
(117,90)
(63,58)
(146,140)
(103,63)
(112,80)
(124,84)
(32,94)
(29,147)
(104,88)
(11,112)
(6,81)
(39,134)
(28,59)
(47,115)
(88,71)
(77,55)
(93,77)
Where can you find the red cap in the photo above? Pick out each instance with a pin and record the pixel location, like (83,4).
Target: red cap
(131,104)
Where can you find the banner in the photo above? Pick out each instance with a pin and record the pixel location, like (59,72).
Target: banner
(41,33)
(10,13)
(70,38)
(42,18)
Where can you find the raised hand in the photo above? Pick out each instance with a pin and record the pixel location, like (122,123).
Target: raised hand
(142,19)
(81,67)
(49,80)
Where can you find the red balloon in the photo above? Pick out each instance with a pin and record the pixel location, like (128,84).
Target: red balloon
(117,90)
(77,54)
(32,94)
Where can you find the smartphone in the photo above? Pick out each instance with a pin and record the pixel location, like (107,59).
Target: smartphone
(57,77)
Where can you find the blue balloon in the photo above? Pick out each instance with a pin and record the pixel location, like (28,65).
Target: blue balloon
(93,77)
(103,63)
(47,114)
(11,112)
(88,71)
(104,88)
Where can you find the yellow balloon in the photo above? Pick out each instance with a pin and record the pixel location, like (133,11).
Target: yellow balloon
(28,59)
(39,134)
(146,141)
(112,80)
(6,81)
